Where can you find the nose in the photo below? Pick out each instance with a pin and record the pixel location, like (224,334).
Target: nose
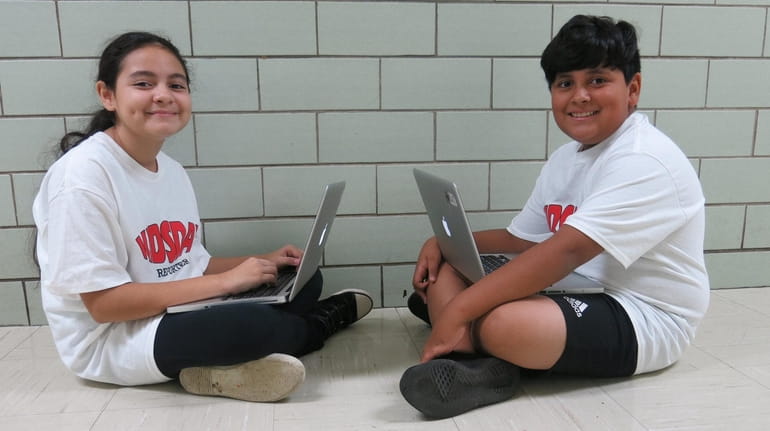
(581,95)
(161,94)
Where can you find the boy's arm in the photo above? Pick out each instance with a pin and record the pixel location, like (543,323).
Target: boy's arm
(500,241)
(538,267)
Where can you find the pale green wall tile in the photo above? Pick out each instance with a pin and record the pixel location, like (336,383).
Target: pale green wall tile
(556,138)
(519,83)
(19,20)
(763,134)
(87,26)
(13,308)
(490,220)
(757,227)
(373,240)
(253,28)
(709,133)
(224,84)
(486,135)
(365,278)
(381,28)
(319,83)
(375,137)
(736,180)
(243,237)
(724,227)
(35,303)
(397,191)
(297,190)
(673,83)
(238,139)
(435,83)
(397,283)
(25,188)
(712,31)
(7,207)
(739,269)
(28,143)
(750,90)
(16,254)
(511,184)
(744,2)
(181,146)
(228,192)
(34,87)
(645,19)
(493,29)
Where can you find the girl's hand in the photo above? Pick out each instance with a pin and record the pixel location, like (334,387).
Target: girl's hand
(287,255)
(250,273)
(426,269)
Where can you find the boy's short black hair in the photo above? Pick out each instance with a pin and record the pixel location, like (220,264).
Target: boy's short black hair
(586,42)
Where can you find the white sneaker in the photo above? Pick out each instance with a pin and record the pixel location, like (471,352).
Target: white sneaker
(271,378)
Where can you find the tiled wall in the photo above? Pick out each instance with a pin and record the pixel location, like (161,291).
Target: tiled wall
(291,94)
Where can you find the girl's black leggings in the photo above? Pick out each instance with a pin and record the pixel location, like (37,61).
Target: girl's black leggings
(236,333)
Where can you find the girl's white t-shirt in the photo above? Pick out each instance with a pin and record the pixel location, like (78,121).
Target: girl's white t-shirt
(103,221)
(637,195)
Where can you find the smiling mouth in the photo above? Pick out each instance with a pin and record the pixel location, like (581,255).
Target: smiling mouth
(583,114)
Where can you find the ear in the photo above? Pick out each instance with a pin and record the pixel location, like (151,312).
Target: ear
(634,91)
(106,96)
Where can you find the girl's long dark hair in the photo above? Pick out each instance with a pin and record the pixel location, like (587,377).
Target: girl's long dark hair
(109,68)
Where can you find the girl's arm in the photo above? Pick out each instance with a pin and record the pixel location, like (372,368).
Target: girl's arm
(223,276)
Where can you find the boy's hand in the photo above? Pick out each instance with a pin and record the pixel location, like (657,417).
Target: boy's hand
(426,269)
(446,334)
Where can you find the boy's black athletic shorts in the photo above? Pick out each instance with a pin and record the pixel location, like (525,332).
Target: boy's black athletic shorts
(600,337)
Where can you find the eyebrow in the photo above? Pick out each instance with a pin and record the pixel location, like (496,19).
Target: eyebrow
(147,73)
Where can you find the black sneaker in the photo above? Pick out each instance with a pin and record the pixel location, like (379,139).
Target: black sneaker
(418,307)
(340,310)
(442,388)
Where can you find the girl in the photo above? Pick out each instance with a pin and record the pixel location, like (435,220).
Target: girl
(111,194)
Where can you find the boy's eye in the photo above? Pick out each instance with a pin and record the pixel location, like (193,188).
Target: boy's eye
(563,84)
(178,87)
(598,81)
(142,84)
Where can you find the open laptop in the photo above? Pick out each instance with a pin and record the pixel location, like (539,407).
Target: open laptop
(455,237)
(290,281)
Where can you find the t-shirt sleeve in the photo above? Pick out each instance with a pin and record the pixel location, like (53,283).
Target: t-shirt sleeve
(633,204)
(86,250)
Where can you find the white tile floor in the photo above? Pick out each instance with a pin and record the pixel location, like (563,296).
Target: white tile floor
(722,383)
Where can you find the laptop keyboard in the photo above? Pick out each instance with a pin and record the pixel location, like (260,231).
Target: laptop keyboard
(491,262)
(268,289)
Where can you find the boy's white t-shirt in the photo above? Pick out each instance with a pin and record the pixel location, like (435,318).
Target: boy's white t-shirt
(637,195)
(103,220)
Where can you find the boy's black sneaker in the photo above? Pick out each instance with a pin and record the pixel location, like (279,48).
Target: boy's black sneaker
(418,307)
(340,310)
(443,387)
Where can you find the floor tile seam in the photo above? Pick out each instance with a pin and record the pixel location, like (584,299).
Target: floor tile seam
(19,343)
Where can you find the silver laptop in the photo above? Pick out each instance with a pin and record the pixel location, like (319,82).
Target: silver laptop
(455,237)
(289,282)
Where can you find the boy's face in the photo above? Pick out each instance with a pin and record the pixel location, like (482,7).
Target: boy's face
(590,104)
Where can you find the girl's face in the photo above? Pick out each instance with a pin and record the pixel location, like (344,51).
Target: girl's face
(151,99)
(591,104)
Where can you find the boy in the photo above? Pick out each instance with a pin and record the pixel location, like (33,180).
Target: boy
(620,204)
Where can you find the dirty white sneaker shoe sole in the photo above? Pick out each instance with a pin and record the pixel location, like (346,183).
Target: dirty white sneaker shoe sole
(271,378)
